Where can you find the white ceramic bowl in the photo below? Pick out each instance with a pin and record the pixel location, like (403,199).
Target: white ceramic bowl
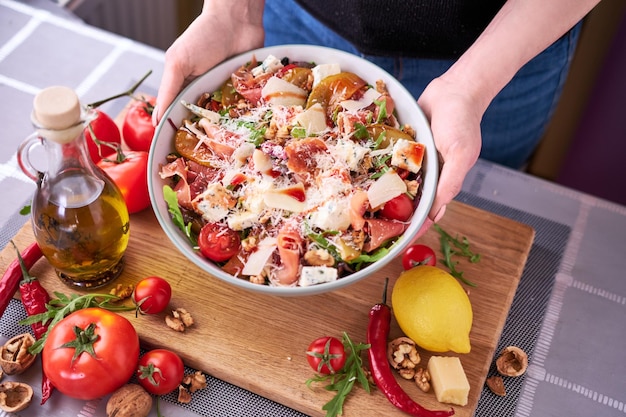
(408,113)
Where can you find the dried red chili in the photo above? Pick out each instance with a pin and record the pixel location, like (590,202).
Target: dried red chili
(377,334)
(34,298)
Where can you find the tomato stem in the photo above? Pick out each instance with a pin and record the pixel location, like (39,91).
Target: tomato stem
(128,93)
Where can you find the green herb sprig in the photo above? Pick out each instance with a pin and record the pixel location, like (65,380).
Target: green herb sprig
(63,305)
(344,380)
(451,246)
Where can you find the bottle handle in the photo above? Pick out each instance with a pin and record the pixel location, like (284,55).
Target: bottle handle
(23,156)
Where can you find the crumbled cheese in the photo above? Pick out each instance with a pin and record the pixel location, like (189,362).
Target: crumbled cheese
(313,275)
(334,214)
(324,70)
(351,152)
(270,65)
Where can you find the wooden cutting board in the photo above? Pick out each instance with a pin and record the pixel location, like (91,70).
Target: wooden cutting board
(258,342)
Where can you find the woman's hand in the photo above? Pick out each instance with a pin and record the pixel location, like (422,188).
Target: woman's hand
(455,123)
(219,32)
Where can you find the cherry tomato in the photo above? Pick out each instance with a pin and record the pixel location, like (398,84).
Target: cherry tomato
(160,371)
(105,130)
(152,295)
(418,255)
(218,243)
(326,355)
(90,353)
(398,208)
(131,177)
(137,128)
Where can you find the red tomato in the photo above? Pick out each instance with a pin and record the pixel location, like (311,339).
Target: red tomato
(137,128)
(399,208)
(105,130)
(79,372)
(218,243)
(152,295)
(131,177)
(160,371)
(418,255)
(326,355)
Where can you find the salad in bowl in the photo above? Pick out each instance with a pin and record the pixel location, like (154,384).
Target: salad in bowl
(292,170)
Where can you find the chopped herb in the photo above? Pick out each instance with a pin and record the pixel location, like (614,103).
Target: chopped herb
(298,132)
(360,131)
(382,110)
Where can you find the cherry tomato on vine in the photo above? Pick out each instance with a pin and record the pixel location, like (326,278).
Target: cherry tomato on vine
(90,353)
(130,176)
(104,130)
(137,128)
(160,371)
(326,355)
(418,255)
(152,295)
(218,243)
(398,208)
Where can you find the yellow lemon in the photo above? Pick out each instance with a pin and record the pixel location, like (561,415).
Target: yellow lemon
(433,309)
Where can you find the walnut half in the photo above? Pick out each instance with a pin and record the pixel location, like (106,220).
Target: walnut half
(512,361)
(403,356)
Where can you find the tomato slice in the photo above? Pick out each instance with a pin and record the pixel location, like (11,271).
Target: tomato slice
(218,243)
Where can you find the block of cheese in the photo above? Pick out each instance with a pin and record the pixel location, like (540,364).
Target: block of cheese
(448,380)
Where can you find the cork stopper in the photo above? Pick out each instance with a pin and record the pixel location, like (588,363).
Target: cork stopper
(56,108)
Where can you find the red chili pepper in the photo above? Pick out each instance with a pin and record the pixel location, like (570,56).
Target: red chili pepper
(10,281)
(34,298)
(377,334)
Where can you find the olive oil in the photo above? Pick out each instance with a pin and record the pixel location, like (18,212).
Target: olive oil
(84,232)
(78,214)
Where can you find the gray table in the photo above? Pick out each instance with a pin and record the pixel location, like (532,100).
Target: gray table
(570,309)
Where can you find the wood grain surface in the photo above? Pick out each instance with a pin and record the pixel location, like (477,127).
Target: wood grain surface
(258,342)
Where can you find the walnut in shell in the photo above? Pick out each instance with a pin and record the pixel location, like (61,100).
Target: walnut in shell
(15,396)
(14,355)
(131,400)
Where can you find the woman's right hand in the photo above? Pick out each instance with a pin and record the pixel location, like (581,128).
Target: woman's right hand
(223,29)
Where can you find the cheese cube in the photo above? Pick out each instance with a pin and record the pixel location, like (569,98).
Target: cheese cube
(448,380)
(408,155)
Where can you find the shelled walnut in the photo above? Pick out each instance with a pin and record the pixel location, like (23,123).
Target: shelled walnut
(14,356)
(422,379)
(403,356)
(512,361)
(179,320)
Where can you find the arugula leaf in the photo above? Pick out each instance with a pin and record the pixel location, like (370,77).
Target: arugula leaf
(382,107)
(169,195)
(448,243)
(63,305)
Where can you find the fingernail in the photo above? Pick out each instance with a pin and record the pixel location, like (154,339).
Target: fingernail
(440,213)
